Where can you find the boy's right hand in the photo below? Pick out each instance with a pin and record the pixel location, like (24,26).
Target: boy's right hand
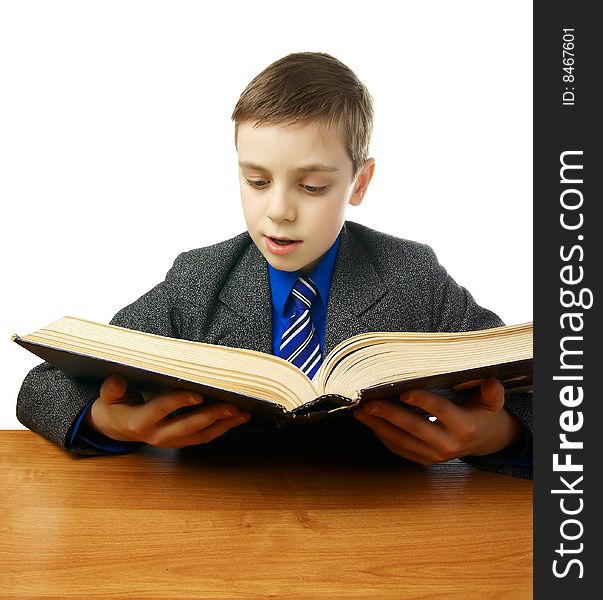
(126,418)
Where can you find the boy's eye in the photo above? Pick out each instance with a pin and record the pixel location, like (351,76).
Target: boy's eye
(255,183)
(313,189)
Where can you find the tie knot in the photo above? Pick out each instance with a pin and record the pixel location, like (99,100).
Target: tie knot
(304,292)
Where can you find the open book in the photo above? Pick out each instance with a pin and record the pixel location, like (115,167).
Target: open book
(364,367)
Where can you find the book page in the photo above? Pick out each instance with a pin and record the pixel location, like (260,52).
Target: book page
(378,358)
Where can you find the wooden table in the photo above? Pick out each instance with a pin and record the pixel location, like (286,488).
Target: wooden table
(206,523)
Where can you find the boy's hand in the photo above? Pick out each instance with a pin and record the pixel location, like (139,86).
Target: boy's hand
(127,418)
(479,426)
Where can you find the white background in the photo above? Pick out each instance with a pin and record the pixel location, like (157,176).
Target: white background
(117,152)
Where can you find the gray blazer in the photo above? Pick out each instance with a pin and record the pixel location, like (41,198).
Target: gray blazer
(220,294)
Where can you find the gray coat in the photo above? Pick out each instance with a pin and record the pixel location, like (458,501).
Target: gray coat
(220,294)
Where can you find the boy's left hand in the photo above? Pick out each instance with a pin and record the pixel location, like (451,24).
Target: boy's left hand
(478,427)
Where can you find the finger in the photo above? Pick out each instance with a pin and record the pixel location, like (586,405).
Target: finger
(446,411)
(192,423)
(212,432)
(418,426)
(160,406)
(113,388)
(387,432)
(405,453)
(492,394)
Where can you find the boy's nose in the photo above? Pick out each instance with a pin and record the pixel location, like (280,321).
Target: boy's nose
(280,207)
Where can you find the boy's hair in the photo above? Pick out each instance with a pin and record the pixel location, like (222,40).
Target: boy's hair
(311,86)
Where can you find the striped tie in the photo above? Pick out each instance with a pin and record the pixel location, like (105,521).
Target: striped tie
(300,344)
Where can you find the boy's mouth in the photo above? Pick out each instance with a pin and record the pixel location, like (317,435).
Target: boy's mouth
(281,246)
(283,241)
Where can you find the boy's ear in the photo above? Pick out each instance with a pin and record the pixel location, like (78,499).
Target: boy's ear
(362,182)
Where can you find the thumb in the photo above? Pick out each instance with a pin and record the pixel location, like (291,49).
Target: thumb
(113,388)
(492,394)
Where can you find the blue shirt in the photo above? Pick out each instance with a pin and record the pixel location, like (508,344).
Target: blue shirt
(281,283)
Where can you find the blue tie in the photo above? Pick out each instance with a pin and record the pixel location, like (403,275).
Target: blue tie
(300,344)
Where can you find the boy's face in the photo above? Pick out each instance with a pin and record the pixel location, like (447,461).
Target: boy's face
(283,198)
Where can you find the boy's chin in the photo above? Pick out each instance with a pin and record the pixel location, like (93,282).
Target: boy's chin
(287,266)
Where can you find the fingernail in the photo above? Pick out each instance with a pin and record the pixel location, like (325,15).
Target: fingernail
(243,418)
(407,398)
(194,399)
(230,412)
(374,409)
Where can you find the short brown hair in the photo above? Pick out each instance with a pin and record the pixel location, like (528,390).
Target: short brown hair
(312,86)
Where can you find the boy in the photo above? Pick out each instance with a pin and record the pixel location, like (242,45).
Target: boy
(299,281)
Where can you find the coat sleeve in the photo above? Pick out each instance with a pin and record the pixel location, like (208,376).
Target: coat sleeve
(454,309)
(49,402)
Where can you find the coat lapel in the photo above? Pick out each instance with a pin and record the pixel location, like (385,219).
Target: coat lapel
(356,289)
(247,295)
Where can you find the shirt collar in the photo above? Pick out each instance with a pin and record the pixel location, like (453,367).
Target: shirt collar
(281,282)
